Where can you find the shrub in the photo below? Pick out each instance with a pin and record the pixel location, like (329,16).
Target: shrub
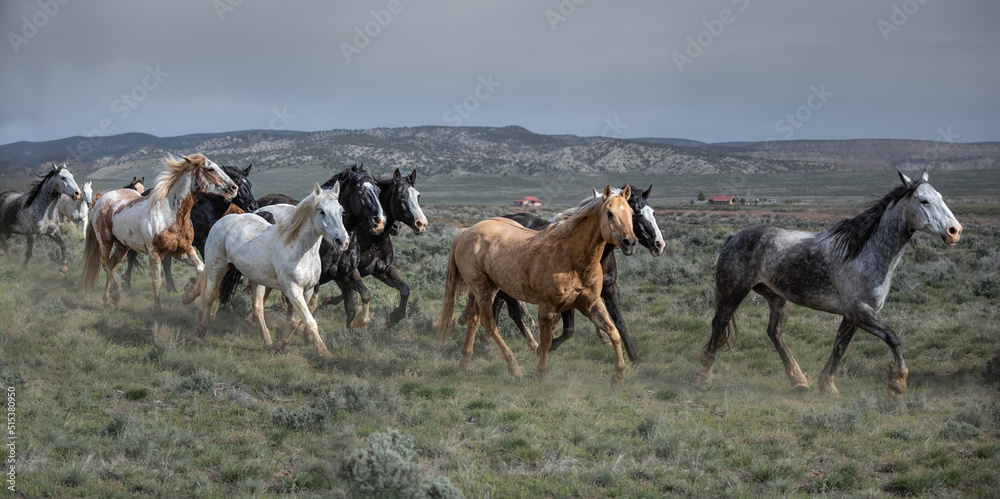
(992,372)
(956,430)
(201,382)
(384,468)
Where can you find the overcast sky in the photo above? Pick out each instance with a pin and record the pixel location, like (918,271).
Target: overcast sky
(709,70)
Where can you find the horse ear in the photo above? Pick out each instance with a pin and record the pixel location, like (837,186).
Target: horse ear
(336,189)
(142,180)
(396,175)
(906,180)
(627,191)
(647,192)
(186,158)
(354,168)
(607,192)
(135,179)
(247,171)
(924,176)
(413,177)
(54,167)
(317,190)
(597,193)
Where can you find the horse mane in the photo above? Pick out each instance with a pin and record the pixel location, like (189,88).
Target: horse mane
(303,212)
(567,221)
(850,235)
(176,168)
(36,188)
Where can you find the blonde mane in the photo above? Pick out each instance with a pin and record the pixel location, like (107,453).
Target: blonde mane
(176,168)
(303,212)
(568,220)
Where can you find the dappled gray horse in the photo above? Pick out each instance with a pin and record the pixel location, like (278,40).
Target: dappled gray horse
(32,213)
(846,271)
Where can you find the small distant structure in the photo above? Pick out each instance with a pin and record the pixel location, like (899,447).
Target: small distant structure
(528,201)
(721,199)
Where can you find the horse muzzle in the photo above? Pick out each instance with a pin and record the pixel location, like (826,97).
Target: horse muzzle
(954,233)
(627,245)
(378,224)
(419,226)
(658,248)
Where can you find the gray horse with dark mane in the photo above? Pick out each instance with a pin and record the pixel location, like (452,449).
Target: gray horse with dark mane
(846,270)
(32,213)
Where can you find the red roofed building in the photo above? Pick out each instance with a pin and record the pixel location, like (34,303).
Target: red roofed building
(528,201)
(721,199)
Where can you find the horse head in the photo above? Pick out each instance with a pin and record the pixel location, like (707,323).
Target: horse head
(644,222)
(404,201)
(210,178)
(616,219)
(360,197)
(64,182)
(88,194)
(244,194)
(926,211)
(328,218)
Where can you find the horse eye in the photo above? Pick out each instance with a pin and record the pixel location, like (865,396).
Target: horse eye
(322,213)
(925,202)
(610,215)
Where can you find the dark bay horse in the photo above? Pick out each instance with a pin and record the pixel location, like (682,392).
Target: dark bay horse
(158,225)
(649,236)
(207,209)
(558,268)
(34,213)
(846,271)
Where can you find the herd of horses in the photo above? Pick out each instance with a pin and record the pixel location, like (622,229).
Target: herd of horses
(206,216)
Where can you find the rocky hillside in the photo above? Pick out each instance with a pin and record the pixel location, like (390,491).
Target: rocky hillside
(497,151)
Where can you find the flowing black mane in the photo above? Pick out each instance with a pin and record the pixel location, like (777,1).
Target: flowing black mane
(850,235)
(36,188)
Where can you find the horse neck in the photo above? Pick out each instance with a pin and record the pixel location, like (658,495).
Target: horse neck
(307,239)
(385,196)
(179,201)
(884,249)
(584,246)
(45,201)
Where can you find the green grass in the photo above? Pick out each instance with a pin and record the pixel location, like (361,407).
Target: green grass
(120,403)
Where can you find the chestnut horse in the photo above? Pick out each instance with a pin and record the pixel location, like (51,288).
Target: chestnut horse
(557,268)
(158,225)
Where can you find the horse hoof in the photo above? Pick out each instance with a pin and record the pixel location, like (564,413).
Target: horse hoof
(514,371)
(329,361)
(618,380)
(800,388)
(704,375)
(465,364)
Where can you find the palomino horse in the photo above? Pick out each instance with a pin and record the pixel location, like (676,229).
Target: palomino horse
(648,234)
(283,256)
(158,225)
(33,213)
(845,271)
(70,210)
(558,268)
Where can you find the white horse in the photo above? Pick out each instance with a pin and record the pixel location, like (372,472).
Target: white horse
(32,213)
(76,211)
(284,256)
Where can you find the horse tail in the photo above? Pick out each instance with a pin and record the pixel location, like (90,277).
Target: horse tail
(228,285)
(91,258)
(453,283)
(730,336)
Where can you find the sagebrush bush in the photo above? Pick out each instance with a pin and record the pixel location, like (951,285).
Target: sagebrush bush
(201,382)
(384,468)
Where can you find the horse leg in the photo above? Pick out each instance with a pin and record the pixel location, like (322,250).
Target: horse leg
(57,237)
(29,246)
(568,320)
(472,317)
(356,285)
(546,315)
(208,297)
(868,319)
(191,291)
(727,299)
(598,314)
(391,278)
(485,300)
(167,261)
(844,334)
(154,267)
(350,303)
(612,300)
(257,296)
(127,277)
(295,295)
(776,331)
(516,314)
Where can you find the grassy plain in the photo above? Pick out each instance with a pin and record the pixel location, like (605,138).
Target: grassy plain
(120,403)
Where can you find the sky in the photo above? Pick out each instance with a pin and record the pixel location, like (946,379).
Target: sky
(708,70)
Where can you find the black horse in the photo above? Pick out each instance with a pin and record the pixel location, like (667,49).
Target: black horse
(648,234)
(359,195)
(207,210)
(401,202)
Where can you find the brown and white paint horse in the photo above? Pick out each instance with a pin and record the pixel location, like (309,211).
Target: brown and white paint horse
(158,225)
